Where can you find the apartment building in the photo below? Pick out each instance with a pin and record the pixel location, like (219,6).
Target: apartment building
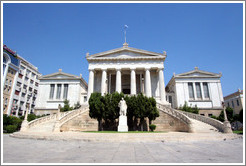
(24,85)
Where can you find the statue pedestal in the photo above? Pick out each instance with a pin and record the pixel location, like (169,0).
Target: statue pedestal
(122,127)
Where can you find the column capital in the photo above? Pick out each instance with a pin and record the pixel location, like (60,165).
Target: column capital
(104,69)
(132,68)
(118,69)
(92,70)
(147,68)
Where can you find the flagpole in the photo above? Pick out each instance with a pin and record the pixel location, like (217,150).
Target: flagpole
(125,35)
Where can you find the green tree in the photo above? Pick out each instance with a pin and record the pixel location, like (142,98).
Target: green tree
(66,106)
(152,110)
(97,108)
(229,113)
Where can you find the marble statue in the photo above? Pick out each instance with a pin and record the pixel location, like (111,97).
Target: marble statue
(123,107)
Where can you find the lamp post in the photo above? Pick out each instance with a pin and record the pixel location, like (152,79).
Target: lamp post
(227,125)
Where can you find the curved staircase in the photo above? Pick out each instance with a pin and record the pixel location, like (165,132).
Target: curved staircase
(185,121)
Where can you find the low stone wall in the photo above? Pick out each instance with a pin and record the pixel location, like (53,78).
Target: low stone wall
(213,122)
(82,122)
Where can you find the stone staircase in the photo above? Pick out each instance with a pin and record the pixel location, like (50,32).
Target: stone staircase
(51,122)
(47,126)
(195,123)
(201,127)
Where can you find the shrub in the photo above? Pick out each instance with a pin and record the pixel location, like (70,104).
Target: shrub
(186,108)
(11,128)
(152,127)
(66,106)
(31,117)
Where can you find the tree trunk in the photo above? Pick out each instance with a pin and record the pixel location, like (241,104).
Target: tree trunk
(99,125)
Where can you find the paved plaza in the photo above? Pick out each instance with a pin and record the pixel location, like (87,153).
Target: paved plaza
(17,150)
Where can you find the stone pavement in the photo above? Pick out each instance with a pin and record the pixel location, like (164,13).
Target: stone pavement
(221,150)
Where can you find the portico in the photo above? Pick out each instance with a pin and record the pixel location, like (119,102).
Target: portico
(128,70)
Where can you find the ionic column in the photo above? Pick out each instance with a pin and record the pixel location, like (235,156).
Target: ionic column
(147,82)
(103,84)
(133,82)
(194,90)
(118,80)
(162,86)
(90,84)
(202,92)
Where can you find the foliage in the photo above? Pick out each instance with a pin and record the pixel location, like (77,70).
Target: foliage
(152,127)
(66,106)
(186,108)
(241,116)
(11,120)
(11,128)
(105,108)
(97,107)
(77,105)
(229,113)
(31,117)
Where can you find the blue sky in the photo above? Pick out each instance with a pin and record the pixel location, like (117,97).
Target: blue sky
(53,36)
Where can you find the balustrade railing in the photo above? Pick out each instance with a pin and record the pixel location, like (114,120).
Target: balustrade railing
(213,122)
(174,113)
(63,116)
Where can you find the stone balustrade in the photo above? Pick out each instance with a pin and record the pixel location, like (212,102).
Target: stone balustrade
(71,115)
(213,122)
(53,117)
(176,114)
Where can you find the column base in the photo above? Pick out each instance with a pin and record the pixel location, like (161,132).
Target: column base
(227,127)
(24,126)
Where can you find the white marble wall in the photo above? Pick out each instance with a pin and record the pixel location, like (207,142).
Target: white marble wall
(76,92)
(182,93)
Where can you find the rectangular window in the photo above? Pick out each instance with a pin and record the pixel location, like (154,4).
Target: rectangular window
(30,89)
(65,91)
(198,90)
(19,84)
(31,81)
(191,92)
(237,102)
(205,89)
(58,92)
(52,89)
(232,103)
(228,104)
(36,84)
(85,98)
(20,76)
(17,92)
(210,115)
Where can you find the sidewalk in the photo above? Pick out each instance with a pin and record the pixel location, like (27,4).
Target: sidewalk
(125,137)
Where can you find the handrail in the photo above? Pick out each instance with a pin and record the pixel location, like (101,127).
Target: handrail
(213,122)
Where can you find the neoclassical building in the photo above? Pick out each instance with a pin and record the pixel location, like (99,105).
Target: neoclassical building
(128,70)
(197,88)
(57,87)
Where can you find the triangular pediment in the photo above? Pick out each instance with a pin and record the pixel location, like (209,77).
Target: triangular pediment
(126,53)
(59,75)
(198,73)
